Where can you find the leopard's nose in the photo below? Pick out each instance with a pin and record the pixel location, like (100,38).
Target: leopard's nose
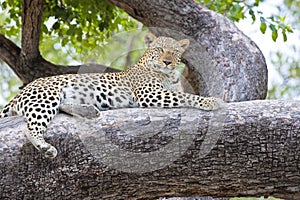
(167,62)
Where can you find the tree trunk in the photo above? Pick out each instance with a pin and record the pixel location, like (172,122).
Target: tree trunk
(245,149)
(221,61)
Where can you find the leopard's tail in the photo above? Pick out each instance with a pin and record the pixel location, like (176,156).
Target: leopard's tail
(8,110)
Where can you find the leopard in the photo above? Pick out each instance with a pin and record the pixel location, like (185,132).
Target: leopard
(153,82)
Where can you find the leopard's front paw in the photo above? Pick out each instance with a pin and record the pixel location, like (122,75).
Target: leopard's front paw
(211,103)
(49,152)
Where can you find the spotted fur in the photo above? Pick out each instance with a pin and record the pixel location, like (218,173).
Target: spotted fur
(152,82)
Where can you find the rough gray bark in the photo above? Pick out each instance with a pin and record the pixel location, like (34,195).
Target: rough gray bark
(222,61)
(245,149)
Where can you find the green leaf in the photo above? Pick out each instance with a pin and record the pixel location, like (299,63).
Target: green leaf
(272,18)
(284,35)
(64,41)
(56,25)
(256,3)
(273,28)
(252,15)
(263,27)
(274,32)
(282,18)
(4,5)
(288,28)
(44,28)
(274,35)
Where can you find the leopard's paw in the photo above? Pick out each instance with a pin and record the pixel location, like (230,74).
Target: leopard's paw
(49,151)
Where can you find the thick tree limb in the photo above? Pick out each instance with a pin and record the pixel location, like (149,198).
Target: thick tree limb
(245,149)
(222,61)
(9,51)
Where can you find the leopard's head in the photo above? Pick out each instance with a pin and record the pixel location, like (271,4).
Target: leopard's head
(164,53)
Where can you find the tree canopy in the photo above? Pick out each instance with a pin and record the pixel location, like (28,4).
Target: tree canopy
(86,24)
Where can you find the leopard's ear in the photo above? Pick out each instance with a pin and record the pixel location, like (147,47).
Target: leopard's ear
(149,38)
(184,43)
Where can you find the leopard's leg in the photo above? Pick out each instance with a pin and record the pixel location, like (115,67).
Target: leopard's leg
(35,136)
(7,110)
(38,115)
(81,110)
(173,99)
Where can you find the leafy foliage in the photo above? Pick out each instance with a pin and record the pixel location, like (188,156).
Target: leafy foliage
(288,86)
(77,23)
(10,18)
(237,10)
(84,24)
(287,61)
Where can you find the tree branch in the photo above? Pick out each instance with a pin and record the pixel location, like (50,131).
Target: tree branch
(245,149)
(9,51)
(221,61)
(10,54)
